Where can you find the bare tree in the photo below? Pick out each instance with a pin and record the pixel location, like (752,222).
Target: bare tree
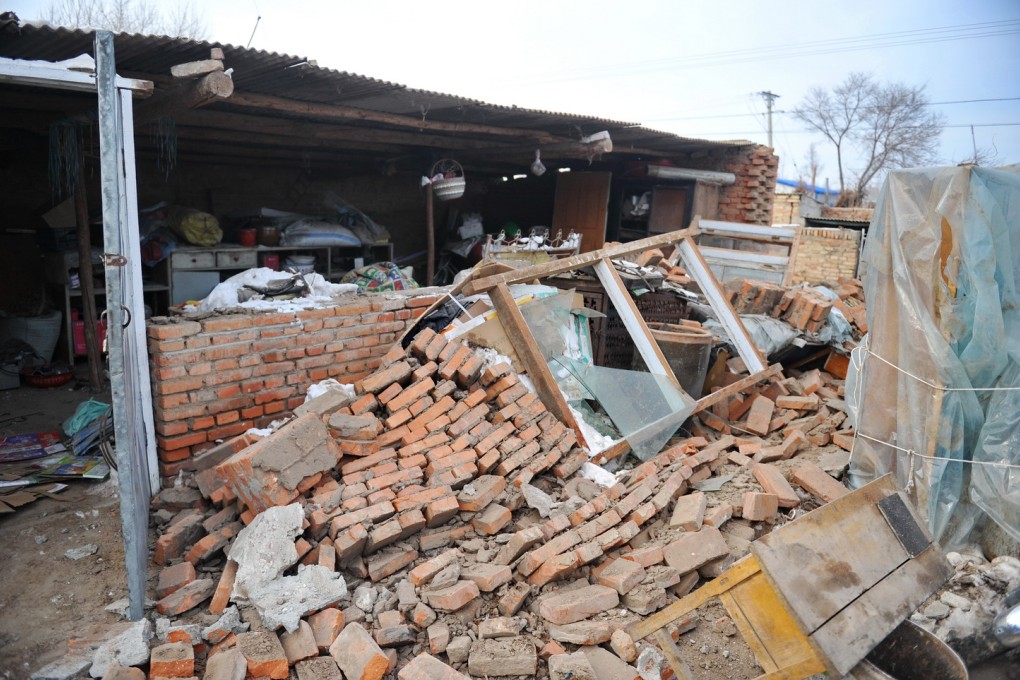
(179,20)
(813,164)
(885,125)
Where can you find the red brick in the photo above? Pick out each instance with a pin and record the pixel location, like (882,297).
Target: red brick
(492,520)
(759,417)
(578,604)
(426,667)
(326,626)
(358,655)
(172,660)
(818,483)
(453,597)
(487,577)
(185,598)
(424,572)
(439,512)
(759,506)
(264,654)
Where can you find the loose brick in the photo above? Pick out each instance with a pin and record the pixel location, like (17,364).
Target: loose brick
(453,597)
(759,417)
(326,626)
(424,572)
(621,575)
(172,579)
(426,667)
(172,660)
(439,637)
(695,549)
(487,577)
(513,599)
(646,556)
(300,644)
(185,598)
(818,483)
(483,491)
(228,664)
(578,604)
(759,506)
(773,481)
(358,655)
(689,512)
(264,654)
(442,510)
(398,372)
(492,520)
(225,586)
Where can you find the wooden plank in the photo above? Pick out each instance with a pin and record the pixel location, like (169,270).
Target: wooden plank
(349,113)
(527,350)
(798,671)
(830,574)
(698,270)
(672,654)
(483,284)
(618,449)
(748,632)
(794,252)
(742,570)
(852,633)
(724,393)
(763,612)
(633,321)
(748,232)
(744,258)
(669,207)
(582,204)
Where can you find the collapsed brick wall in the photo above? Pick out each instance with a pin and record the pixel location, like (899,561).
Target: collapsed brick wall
(750,198)
(216,377)
(826,255)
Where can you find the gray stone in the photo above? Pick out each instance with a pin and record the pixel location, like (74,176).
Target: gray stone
(120,607)
(936,610)
(165,626)
(365,596)
(319,668)
(650,663)
(229,664)
(503,656)
(957,601)
(607,665)
(129,648)
(71,666)
(387,601)
(423,615)
(407,596)
(229,620)
(82,552)
(284,601)
(446,577)
(265,548)
(330,400)
(459,649)
(570,667)
(538,500)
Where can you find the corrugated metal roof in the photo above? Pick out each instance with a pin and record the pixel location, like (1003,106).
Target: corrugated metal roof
(298,78)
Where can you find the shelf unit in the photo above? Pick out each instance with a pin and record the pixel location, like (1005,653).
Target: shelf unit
(156,295)
(330,260)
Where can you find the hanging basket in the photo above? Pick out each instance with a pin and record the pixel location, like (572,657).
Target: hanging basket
(451,186)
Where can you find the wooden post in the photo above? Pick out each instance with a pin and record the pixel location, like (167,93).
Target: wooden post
(430,230)
(88,299)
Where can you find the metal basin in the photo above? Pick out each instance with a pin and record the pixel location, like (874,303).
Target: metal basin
(911,653)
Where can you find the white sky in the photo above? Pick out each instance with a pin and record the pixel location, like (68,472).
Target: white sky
(649,61)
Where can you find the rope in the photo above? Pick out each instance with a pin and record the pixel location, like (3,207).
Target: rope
(915,454)
(940,387)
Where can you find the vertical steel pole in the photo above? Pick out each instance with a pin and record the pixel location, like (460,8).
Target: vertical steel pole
(131,462)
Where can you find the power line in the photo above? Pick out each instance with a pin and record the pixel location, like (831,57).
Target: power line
(811,48)
(748,115)
(954,125)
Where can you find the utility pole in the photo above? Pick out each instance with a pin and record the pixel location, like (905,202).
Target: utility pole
(770,98)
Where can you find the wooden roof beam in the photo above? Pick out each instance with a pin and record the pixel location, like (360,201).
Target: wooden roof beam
(341,113)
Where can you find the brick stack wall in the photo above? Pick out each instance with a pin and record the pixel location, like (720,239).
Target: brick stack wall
(214,378)
(826,255)
(750,198)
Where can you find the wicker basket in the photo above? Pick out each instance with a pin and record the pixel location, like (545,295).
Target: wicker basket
(52,377)
(452,184)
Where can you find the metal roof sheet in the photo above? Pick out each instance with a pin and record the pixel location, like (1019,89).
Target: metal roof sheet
(298,78)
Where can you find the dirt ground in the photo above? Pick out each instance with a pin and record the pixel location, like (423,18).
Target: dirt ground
(45,598)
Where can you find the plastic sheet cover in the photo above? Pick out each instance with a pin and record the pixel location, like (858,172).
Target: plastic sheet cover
(941,272)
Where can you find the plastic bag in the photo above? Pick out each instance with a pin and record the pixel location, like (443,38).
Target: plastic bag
(86,412)
(194,226)
(315,233)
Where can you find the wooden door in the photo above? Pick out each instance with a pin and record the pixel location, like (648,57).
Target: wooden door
(669,210)
(582,204)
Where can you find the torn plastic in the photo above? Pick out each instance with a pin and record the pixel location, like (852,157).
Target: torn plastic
(768,335)
(941,271)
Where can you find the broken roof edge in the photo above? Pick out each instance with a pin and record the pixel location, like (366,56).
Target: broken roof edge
(42,40)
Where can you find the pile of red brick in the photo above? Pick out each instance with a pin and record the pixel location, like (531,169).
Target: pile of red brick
(803,308)
(425,491)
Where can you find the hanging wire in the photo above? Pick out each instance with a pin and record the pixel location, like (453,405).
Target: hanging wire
(64,155)
(166,145)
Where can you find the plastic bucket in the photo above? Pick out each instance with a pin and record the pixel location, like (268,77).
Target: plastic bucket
(41,332)
(688,351)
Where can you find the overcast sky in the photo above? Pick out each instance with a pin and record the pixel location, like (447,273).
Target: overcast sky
(689,67)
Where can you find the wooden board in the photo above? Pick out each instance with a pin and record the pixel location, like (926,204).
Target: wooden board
(633,321)
(766,626)
(724,393)
(527,350)
(582,204)
(852,633)
(698,270)
(483,282)
(669,209)
(853,582)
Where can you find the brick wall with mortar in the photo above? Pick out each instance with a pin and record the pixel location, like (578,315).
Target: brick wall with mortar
(750,198)
(216,377)
(826,255)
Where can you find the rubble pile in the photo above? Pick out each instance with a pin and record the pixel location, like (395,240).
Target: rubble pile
(802,307)
(434,523)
